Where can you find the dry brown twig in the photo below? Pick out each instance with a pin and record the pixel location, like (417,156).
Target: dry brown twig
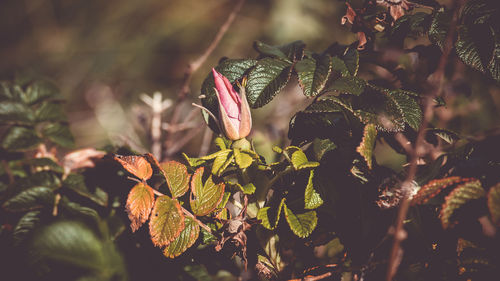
(192,68)
(437,80)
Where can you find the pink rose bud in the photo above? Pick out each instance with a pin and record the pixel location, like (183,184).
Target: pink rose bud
(234,112)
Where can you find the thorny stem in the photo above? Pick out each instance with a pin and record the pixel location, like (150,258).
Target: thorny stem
(196,64)
(187,213)
(437,79)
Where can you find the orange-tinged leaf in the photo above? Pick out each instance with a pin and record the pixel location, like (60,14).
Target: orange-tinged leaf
(494,203)
(185,240)
(139,204)
(462,194)
(136,165)
(367,145)
(177,177)
(167,221)
(434,187)
(205,197)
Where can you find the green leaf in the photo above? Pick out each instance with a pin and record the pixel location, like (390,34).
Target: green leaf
(349,84)
(320,147)
(268,50)
(222,161)
(76,183)
(408,108)
(50,111)
(232,69)
(494,203)
(447,135)
(20,139)
(59,134)
(266,80)
(299,161)
(242,159)
(303,224)
(222,143)
(177,177)
(270,216)
(185,240)
(351,60)
(69,243)
(439,27)
(30,199)
(11,111)
(139,204)
(313,74)
(312,199)
(25,226)
(194,162)
(38,91)
(458,197)
(46,164)
(248,188)
(367,145)
(433,188)
(205,197)
(224,201)
(338,65)
(291,52)
(167,221)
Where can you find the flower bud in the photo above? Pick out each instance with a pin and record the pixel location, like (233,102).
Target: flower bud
(234,112)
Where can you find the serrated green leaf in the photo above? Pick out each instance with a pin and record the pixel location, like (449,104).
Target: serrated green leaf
(185,240)
(25,226)
(140,201)
(348,84)
(222,161)
(20,138)
(338,65)
(30,199)
(433,188)
(458,197)
(303,224)
(205,198)
(312,199)
(266,80)
(76,183)
(448,136)
(11,111)
(242,159)
(270,216)
(494,203)
(59,134)
(50,111)
(439,27)
(69,243)
(367,144)
(351,60)
(177,177)
(299,161)
(313,74)
(232,69)
(408,108)
(268,50)
(167,221)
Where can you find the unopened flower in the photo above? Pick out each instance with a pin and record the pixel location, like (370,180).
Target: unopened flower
(234,112)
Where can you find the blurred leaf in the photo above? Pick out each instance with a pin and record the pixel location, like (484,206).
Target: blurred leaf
(177,177)
(39,91)
(268,50)
(205,198)
(303,224)
(185,240)
(50,111)
(30,199)
(415,24)
(448,136)
(266,80)
(242,159)
(46,163)
(270,216)
(312,199)
(73,244)
(20,138)
(59,134)
(290,52)
(11,111)
(458,197)
(167,221)
(313,74)
(494,203)
(349,84)
(25,226)
(76,183)
(139,204)
(367,145)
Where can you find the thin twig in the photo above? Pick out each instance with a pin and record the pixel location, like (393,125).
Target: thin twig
(437,79)
(196,64)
